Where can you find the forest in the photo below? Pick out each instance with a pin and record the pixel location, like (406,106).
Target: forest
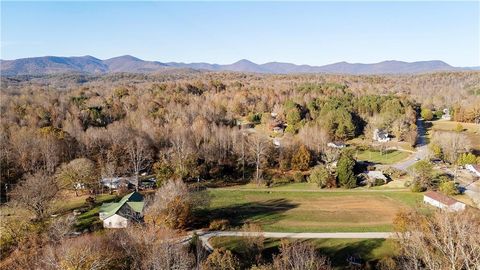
(64,133)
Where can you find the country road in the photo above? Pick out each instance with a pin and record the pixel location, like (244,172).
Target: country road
(205,236)
(421,149)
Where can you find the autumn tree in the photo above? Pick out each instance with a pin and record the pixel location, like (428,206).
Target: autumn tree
(302,159)
(173,204)
(77,174)
(221,259)
(426,114)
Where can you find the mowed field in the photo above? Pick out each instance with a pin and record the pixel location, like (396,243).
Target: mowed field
(387,157)
(470,129)
(303,211)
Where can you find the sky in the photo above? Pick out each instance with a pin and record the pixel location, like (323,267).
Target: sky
(314,33)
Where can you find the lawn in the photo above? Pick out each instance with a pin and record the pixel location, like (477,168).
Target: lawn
(303,211)
(338,250)
(388,157)
(79,202)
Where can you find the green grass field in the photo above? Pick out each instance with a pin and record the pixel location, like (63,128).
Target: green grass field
(303,211)
(388,157)
(338,250)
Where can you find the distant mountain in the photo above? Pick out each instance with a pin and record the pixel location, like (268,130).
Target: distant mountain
(127,63)
(52,64)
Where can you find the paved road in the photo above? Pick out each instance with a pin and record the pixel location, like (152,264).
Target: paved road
(421,148)
(205,236)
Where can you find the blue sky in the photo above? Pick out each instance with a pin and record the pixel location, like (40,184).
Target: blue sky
(314,33)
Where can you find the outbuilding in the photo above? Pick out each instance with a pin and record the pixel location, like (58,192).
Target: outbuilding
(442,201)
(475,169)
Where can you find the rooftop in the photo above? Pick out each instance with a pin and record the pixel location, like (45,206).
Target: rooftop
(134,200)
(440,197)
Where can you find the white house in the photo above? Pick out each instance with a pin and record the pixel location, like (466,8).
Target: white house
(442,201)
(475,169)
(380,135)
(337,145)
(118,215)
(446,114)
(116,182)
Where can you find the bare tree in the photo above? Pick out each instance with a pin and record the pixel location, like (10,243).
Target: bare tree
(315,137)
(36,193)
(77,174)
(154,249)
(299,255)
(444,240)
(258,148)
(140,156)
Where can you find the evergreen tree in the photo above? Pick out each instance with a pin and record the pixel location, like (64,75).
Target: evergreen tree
(345,170)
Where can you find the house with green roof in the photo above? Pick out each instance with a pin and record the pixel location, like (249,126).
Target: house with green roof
(119,214)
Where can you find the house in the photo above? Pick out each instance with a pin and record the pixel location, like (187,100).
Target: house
(380,135)
(442,201)
(276,142)
(475,169)
(446,114)
(117,182)
(337,145)
(278,129)
(372,178)
(119,214)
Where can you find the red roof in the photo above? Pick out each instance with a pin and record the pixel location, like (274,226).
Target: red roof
(440,197)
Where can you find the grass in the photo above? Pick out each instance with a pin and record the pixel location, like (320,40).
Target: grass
(302,211)
(388,157)
(338,250)
(79,202)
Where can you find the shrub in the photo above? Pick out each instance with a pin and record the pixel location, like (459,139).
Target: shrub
(298,177)
(426,114)
(448,188)
(281,180)
(319,176)
(416,187)
(219,225)
(221,259)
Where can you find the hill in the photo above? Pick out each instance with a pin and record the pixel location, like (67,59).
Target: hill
(130,64)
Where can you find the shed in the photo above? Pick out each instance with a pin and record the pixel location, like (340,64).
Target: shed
(442,201)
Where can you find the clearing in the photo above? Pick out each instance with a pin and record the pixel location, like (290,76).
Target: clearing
(336,210)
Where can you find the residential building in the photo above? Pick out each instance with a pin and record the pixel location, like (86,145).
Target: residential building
(120,214)
(380,135)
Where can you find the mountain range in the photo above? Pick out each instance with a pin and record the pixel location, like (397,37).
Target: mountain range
(130,64)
